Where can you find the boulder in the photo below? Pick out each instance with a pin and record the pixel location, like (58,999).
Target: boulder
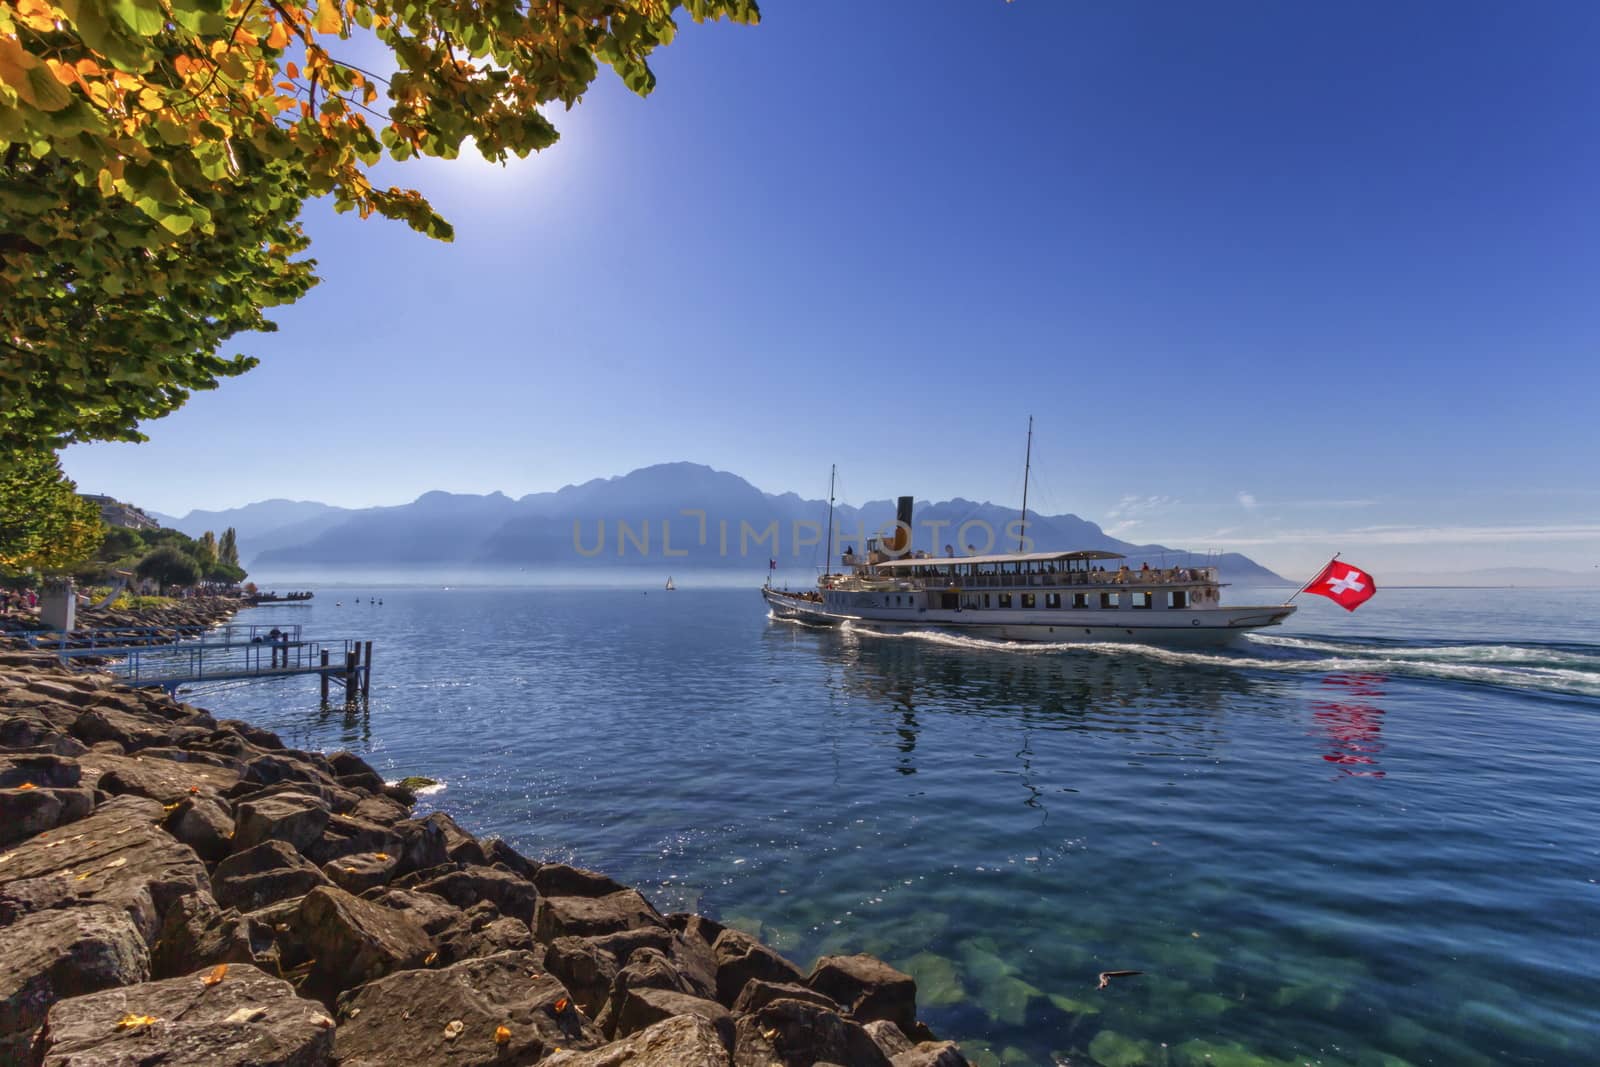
(117,856)
(497,852)
(798,1034)
(758,994)
(248,1019)
(584,969)
(362,871)
(696,927)
(588,916)
(198,933)
(51,955)
(270,872)
(642,1007)
(499,935)
(29,809)
(435,915)
(40,770)
(422,844)
(561,880)
(354,940)
(130,730)
(418,1012)
(930,1054)
(464,888)
(205,824)
(254,734)
(354,772)
(380,809)
(459,846)
(347,834)
(740,958)
(889,1038)
(159,779)
(293,818)
(868,989)
(683,1041)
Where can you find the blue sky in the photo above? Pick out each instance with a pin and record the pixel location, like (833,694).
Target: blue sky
(1285,278)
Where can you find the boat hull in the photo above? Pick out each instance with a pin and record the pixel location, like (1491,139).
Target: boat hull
(1182,628)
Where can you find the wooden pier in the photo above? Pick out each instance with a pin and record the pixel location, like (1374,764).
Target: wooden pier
(167,659)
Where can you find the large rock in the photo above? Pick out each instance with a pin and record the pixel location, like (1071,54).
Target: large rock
(684,1041)
(131,730)
(411,1016)
(197,933)
(641,1007)
(52,955)
(423,844)
(293,818)
(798,1034)
(270,872)
(740,958)
(584,969)
(354,940)
(248,1019)
(868,989)
(561,880)
(930,1054)
(361,871)
(117,856)
(150,776)
(589,916)
(889,1038)
(349,834)
(28,810)
(39,770)
(464,888)
(205,824)
(758,994)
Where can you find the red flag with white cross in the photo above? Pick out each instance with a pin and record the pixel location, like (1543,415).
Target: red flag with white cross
(1343,583)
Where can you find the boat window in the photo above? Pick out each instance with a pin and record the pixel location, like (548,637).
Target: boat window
(1080,600)
(1027,600)
(986,600)
(1142,600)
(1052,600)
(1179,598)
(1108,600)
(1005,600)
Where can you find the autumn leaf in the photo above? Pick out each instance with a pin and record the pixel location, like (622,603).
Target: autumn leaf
(560,1005)
(132,1021)
(328,20)
(453,1028)
(502,1035)
(27,785)
(380,855)
(217,974)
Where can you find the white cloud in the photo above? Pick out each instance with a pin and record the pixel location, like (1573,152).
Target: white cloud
(1131,505)
(1411,535)
(1247,500)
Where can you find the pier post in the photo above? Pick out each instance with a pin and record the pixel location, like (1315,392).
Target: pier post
(366,674)
(324,676)
(351,658)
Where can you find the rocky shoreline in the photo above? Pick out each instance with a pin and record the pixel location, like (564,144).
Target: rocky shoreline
(178,888)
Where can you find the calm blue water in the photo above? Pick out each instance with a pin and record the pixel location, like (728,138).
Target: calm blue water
(1365,839)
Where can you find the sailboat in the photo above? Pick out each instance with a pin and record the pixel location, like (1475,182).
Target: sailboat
(670,586)
(1059,596)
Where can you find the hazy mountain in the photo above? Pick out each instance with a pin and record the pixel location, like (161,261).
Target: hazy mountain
(262,526)
(1527,577)
(640,518)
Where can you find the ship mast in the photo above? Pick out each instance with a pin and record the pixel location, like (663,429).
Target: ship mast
(827,546)
(1027,466)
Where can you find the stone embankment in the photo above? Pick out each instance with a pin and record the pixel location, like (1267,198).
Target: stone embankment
(176,888)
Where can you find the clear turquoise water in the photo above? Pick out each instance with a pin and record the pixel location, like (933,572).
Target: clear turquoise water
(1365,839)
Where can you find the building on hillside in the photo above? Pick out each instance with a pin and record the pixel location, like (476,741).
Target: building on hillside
(115,513)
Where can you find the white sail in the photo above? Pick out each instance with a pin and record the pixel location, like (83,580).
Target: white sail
(670,586)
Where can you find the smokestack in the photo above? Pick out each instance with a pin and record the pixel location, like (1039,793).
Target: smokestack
(900,543)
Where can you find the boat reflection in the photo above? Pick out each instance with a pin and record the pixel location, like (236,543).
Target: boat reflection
(1175,707)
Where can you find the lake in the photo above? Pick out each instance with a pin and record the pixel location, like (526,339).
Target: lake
(1360,839)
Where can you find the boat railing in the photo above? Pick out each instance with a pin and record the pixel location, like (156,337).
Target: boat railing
(1184,576)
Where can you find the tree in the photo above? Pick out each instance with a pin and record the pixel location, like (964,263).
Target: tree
(154,156)
(205,550)
(169,566)
(44,524)
(228,547)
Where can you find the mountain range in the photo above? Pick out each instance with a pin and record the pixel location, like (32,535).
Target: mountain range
(684,514)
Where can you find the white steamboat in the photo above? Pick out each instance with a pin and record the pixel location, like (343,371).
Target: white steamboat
(1079,596)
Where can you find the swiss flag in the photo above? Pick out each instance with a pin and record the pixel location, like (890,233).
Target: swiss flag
(1343,583)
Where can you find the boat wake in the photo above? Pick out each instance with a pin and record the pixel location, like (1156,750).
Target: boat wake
(1564,669)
